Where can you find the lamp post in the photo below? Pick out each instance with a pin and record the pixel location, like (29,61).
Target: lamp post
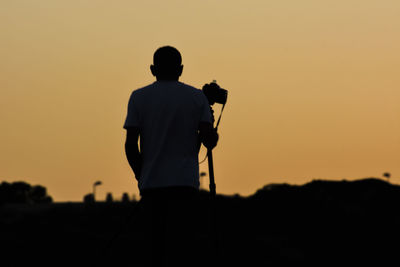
(387,175)
(94,189)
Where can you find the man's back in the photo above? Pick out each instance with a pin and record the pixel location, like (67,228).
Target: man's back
(168,114)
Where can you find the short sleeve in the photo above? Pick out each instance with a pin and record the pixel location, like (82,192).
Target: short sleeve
(132,118)
(205,110)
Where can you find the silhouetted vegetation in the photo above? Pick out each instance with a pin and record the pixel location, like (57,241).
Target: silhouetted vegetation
(109,198)
(88,198)
(319,223)
(22,192)
(125,197)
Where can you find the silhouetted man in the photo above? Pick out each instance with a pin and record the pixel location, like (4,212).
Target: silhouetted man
(171,119)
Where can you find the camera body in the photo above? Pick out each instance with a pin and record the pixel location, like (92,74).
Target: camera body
(215,94)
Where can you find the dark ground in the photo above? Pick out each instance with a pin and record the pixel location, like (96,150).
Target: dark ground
(320,223)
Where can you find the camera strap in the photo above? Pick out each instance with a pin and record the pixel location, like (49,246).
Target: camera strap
(219,119)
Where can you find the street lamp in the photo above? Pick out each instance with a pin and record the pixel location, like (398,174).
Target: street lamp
(387,175)
(94,189)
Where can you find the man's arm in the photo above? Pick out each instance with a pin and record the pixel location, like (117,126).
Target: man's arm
(132,150)
(208,135)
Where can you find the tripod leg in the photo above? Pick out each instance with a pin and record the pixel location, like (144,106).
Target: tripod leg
(213,210)
(211,173)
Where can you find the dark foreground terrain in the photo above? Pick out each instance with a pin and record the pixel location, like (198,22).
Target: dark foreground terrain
(320,223)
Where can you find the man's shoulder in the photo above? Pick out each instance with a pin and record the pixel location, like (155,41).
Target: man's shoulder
(164,85)
(142,90)
(191,89)
(155,89)
(188,86)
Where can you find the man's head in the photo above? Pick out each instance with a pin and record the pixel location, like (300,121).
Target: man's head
(167,63)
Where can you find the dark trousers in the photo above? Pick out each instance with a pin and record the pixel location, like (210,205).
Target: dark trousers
(170,226)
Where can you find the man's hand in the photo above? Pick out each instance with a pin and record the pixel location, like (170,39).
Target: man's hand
(132,151)
(212,116)
(208,135)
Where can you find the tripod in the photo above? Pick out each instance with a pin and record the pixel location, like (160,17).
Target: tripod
(213,200)
(214,243)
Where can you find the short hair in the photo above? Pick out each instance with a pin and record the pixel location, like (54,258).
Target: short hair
(167,56)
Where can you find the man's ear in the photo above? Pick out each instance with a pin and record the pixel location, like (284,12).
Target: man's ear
(153,70)
(180,70)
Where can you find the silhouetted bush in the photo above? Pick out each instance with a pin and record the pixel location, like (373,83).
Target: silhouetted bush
(88,198)
(22,192)
(125,198)
(39,194)
(109,198)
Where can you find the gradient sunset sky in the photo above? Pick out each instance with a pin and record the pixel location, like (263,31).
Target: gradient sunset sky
(314,88)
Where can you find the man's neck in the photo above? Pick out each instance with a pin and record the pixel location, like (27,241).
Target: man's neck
(168,79)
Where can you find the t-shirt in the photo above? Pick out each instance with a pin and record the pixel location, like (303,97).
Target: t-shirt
(168,114)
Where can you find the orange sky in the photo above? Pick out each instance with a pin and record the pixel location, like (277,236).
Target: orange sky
(313,88)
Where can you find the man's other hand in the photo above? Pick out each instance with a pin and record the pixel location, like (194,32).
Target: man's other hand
(132,151)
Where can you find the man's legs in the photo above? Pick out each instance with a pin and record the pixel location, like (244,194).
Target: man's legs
(181,228)
(154,228)
(170,226)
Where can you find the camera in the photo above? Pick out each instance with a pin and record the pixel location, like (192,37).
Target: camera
(214,93)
